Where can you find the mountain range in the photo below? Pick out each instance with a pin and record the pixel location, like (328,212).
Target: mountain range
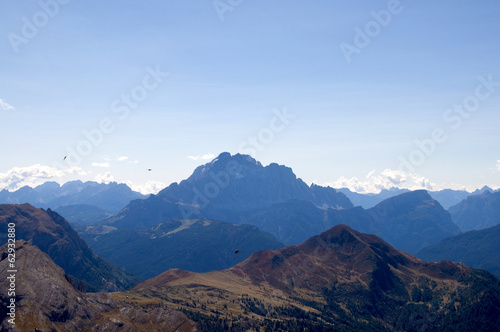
(340,280)
(477,212)
(445,197)
(111,197)
(409,221)
(54,236)
(239,190)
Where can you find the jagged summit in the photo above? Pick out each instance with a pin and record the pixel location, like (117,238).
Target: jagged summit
(239,182)
(484,190)
(226,163)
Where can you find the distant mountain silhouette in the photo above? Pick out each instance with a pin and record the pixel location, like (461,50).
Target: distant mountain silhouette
(445,197)
(412,221)
(340,280)
(409,221)
(477,211)
(53,235)
(479,249)
(47,301)
(110,197)
(483,190)
(194,245)
(449,197)
(370,200)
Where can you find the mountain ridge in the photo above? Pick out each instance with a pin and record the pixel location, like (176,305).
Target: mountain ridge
(111,197)
(53,235)
(477,212)
(340,278)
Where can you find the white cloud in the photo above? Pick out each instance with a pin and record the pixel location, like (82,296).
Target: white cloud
(4,106)
(207,156)
(76,171)
(150,187)
(136,161)
(104,178)
(122,158)
(498,165)
(104,165)
(374,183)
(34,175)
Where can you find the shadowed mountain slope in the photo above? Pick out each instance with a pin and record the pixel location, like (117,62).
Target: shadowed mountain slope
(194,245)
(53,235)
(477,211)
(479,249)
(412,221)
(83,214)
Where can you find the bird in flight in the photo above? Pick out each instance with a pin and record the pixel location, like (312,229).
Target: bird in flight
(149,169)
(65,157)
(237,251)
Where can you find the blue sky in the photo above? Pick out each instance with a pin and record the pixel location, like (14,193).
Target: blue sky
(226,73)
